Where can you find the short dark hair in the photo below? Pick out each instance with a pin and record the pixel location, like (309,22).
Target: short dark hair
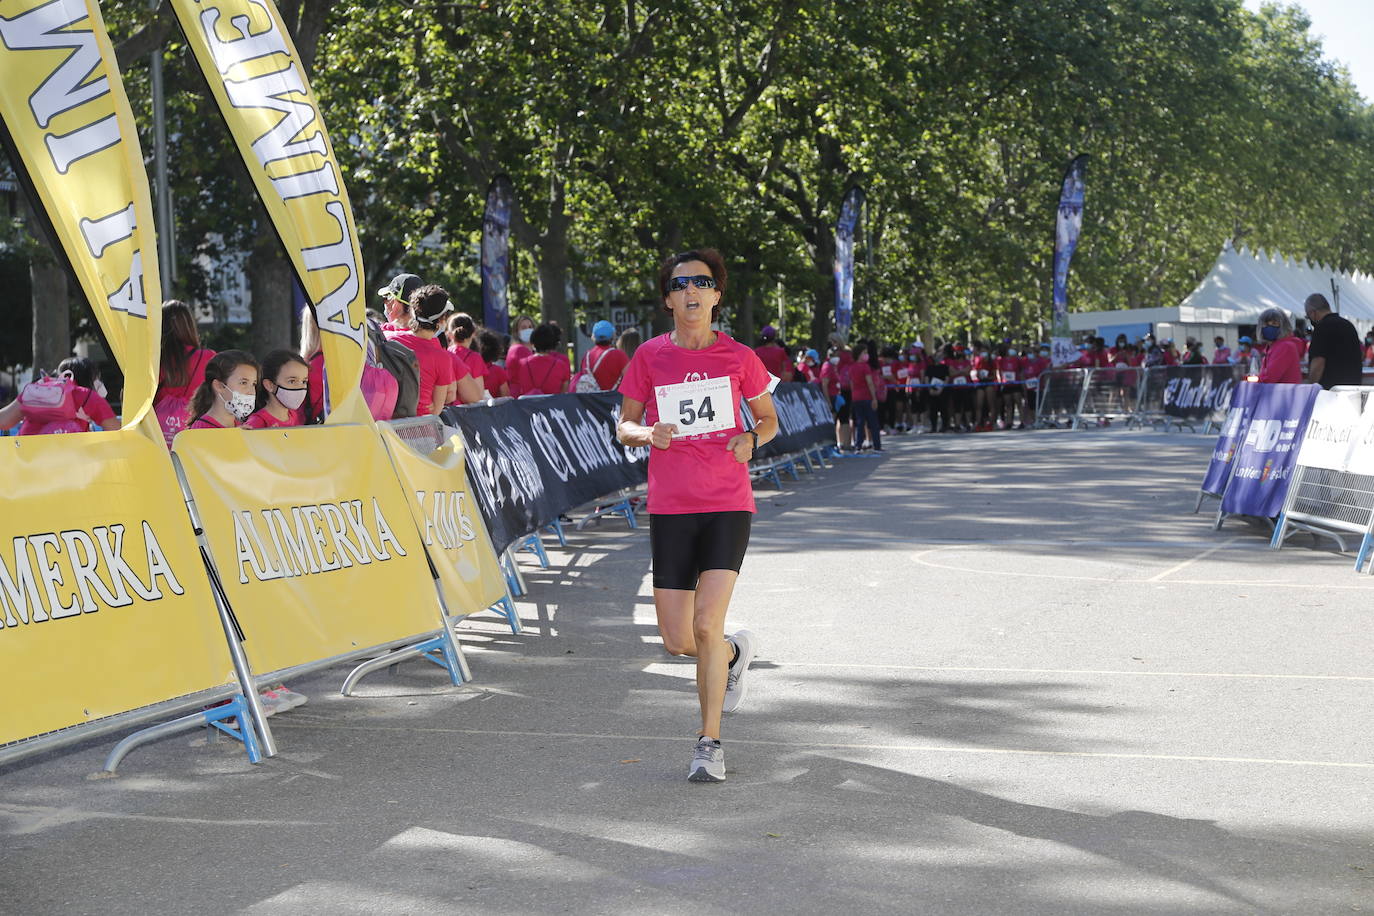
(546,337)
(708,256)
(1316,303)
(428,305)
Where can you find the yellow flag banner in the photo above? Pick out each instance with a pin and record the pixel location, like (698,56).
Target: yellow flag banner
(104,602)
(71,135)
(313,539)
(452,527)
(255,75)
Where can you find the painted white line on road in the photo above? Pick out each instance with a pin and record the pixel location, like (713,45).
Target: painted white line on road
(1246,583)
(1191,560)
(827,745)
(975,669)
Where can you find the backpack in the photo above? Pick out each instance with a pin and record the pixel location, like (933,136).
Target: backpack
(404,366)
(172,409)
(585,381)
(48,400)
(380,388)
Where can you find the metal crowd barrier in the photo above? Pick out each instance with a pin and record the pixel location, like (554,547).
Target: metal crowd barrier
(1109,394)
(1060,395)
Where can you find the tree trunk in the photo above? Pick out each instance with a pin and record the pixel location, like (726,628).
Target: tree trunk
(925,331)
(270,286)
(823,318)
(553,282)
(52,336)
(744,329)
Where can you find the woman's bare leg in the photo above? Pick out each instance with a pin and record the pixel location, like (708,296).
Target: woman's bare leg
(693,624)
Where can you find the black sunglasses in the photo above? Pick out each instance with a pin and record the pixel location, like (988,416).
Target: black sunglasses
(700,281)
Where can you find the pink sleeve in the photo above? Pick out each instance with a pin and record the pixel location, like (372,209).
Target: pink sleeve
(443,374)
(753,375)
(635,383)
(97,408)
(459,366)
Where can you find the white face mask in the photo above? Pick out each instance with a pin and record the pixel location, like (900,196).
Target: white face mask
(100,388)
(834,360)
(240,405)
(290,398)
(1011,352)
(526,334)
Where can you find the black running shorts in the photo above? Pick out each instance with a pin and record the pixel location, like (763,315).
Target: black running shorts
(685,545)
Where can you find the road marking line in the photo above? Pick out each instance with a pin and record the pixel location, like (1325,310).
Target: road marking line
(827,745)
(636,662)
(1191,560)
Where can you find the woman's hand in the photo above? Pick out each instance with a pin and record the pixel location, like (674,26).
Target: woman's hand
(742,446)
(662,435)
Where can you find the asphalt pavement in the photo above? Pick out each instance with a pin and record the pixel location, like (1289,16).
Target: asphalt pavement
(998,673)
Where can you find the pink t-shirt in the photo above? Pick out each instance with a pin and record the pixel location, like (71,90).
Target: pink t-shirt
(516,355)
(1009,369)
(774,358)
(606,363)
(859,374)
(542,373)
(263,419)
(205,422)
(195,374)
(470,359)
(696,473)
(436,366)
(494,377)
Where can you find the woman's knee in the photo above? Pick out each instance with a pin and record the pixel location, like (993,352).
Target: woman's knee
(679,644)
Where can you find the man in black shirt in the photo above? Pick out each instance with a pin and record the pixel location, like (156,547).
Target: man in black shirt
(1334,356)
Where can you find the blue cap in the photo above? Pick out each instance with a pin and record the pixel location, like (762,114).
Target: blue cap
(1246,340)
(813,355)
(603,330)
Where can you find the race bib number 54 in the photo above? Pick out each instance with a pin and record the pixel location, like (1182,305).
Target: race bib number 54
(696,407)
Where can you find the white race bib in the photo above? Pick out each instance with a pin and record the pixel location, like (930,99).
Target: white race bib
(960,380)
(1033,383)
(1008,376)
(699,407)
(903,374)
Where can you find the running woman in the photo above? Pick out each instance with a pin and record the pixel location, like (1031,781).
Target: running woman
(681,396)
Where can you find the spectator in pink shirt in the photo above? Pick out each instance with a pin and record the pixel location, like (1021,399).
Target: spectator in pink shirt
(1283,357)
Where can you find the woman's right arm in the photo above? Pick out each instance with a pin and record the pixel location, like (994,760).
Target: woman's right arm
(632,432)
(11,414)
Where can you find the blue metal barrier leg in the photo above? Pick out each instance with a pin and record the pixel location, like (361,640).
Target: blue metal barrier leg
(536,547)
(506,608)
(216,717)
(555,528)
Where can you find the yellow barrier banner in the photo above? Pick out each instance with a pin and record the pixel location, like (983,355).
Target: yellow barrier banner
(255,74)
(313,539)
(104,602)
(452,526)
(72,138)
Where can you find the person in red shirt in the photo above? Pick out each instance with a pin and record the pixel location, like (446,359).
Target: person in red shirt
(1283,357)
(461,332)
(495,378)
(396,301)
(682,392)
(80,402)
(835,381)
(282,392)
(1009,380)
(863,386)
(1034,367)
(604,360)
(181,368)
(807,368)
(229,393)
(772,354)
(429,306)
(548,370)
(984,373)
(1170,352)
(1369,349)
(522,331)
(960,397)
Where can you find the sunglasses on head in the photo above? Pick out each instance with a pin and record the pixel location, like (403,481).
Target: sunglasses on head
(700,281)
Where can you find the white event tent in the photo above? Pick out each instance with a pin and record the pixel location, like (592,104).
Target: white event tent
(1239,286)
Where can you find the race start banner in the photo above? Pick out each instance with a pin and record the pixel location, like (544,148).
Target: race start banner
(255,75)
(1268,453)
(104,602)
(313,539)
(496,254)
(71,136)
(845,228)
(532,459)
(1233,430)
(1067,225)
(450,523)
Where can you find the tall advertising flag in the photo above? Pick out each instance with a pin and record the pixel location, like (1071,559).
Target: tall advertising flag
(496,254)
(845,227)
(71,136)
(255,75)
(1067,225)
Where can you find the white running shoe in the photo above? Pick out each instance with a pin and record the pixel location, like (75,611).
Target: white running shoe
(735,681)
(708,761)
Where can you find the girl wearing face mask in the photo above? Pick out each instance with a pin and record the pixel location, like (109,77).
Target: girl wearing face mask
(229,394)
(1283,357)
(72,401)
(520,349)
(281,398)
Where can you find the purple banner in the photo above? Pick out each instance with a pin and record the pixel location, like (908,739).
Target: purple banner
(845,229)
(1068,222)
(1232,432)
(1268,453)
(496,254)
